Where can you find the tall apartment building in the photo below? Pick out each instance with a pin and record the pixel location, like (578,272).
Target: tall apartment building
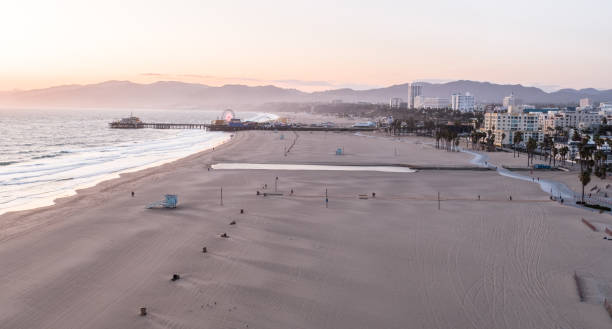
(509,101)
(414,90)
(395,103)
(463,103)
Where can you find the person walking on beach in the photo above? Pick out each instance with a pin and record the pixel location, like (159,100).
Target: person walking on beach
(132,194)
(326,202)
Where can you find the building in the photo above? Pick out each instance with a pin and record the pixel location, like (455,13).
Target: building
(605,110)
(489,108)
(569,119)
(414,90)
(463,103)
(585,103)
(421,102)
(509,123)
(509,101)
(395,103)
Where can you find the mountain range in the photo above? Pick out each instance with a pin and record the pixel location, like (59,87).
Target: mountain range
(180,95)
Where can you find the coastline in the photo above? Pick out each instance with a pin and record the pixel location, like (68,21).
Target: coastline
(19,217)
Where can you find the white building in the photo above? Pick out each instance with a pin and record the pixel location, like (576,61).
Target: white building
(509,123)
(605,110)
(509,101)
(463,103)
(421,102)
(585,102)
(395,103)
(566,120)
(414,90)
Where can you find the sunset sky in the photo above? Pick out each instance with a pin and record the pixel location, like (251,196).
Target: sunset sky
(308,45)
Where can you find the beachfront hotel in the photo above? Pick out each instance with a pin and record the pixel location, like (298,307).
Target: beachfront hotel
(510,123)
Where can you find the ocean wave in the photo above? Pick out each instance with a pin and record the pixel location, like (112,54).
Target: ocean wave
(46,156)
(8,163)
(53,155)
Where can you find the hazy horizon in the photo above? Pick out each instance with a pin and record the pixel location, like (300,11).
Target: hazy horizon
(544,88)
(307,46)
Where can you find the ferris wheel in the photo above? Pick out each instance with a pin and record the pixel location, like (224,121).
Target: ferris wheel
(228,115)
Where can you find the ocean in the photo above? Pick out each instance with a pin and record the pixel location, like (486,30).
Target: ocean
(47,154)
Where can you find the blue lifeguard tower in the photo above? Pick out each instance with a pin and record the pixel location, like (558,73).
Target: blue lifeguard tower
(171,200)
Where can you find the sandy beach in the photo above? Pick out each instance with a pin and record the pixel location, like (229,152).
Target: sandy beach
(402,259)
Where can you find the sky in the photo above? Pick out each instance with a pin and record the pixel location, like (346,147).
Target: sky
(307,45)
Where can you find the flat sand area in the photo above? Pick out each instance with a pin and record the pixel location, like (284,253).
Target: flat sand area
(393,261)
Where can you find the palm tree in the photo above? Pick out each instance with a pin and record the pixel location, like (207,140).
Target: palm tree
(576,137)
(555,151)
(585,165)
(549,144)
(474,137)
(531,146)
(585,179)
(503,136)
(563,152)
(490,141)
(518,137)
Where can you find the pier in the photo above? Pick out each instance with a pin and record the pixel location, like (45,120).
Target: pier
(228,128)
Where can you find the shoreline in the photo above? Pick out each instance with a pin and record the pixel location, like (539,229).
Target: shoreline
(119,180)
(46,202)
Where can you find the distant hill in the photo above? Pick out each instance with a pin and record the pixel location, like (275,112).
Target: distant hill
(172,94)
(484,92)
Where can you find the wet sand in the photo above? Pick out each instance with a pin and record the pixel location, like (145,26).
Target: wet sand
(393,261)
